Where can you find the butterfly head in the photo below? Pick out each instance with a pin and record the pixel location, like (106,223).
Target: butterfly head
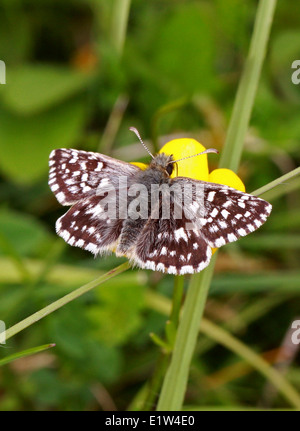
(163,163)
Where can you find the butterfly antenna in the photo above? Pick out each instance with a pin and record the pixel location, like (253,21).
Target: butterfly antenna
(209,150)
(134,130)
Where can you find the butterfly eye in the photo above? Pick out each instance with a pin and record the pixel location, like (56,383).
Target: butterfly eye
(169,168)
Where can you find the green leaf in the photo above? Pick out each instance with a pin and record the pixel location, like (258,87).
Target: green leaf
(185,33)
(31,89)
(117,316)
(284,50)
(25,234)
(77,344)
(25,142)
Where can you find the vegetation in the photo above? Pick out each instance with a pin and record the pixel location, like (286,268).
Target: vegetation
(94,334)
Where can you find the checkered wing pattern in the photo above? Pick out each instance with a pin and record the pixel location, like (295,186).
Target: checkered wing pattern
(167,246)
(87,225)
(220,216)
(213,216)
(231,214)
(75,175)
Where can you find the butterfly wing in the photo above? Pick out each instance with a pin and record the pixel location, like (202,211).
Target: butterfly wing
(214,215)
(224,214)
(231,214)
(167,246)
(87,225)
(75,175)
(82,179)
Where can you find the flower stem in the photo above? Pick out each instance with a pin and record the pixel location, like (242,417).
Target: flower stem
(163,360)
(177,298)
(173,390)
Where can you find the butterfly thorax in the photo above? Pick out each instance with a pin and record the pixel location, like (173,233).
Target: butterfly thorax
(156,173)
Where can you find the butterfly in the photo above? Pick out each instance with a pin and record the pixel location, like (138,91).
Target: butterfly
(155,231)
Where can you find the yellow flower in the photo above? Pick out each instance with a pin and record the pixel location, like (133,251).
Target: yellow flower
(197,167)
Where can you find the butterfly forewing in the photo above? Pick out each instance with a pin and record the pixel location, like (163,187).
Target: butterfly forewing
(231,214)
(223,214)
(75,175)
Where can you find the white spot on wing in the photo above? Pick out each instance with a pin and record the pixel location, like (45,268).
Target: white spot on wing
(54,187)
(231,237)
(214,212)
(60,196)
(99,167)
(220,241)
(79,243)
(227,204)
(187,269)
(160,267)
(91,247)
(180,233)
(242,232)
(225,213)
(172,270)
(163,251)
(211,196)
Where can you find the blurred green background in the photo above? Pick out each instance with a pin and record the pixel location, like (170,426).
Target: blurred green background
(73,79)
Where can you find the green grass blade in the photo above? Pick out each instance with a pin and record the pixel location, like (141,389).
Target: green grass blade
(175,382)
(25,353)
(162,305)
(174,386)
(13,330)
(245,97)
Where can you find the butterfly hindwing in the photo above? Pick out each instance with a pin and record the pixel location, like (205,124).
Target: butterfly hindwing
(86,225)
(166,245)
